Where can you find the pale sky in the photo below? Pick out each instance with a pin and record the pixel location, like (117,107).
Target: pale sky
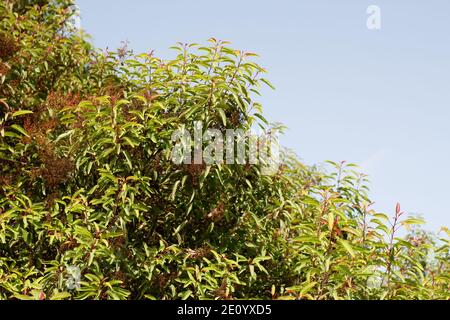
(379,98)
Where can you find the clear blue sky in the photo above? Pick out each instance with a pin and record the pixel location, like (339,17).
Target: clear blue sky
(380,99)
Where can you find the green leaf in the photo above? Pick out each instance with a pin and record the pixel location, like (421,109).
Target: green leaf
(21,113)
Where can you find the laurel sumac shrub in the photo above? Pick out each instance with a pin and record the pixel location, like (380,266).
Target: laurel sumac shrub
(92,207)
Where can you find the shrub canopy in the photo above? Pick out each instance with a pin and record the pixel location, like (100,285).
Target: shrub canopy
(87,184)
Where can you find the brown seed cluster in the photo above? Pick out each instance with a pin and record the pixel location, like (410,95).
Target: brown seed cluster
(58,101)
(118,242)
(8,46)
(217,213)
(195,169)
(119,275)
(58,173)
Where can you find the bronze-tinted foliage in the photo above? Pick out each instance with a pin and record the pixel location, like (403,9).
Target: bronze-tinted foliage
(3,69)
(217,213)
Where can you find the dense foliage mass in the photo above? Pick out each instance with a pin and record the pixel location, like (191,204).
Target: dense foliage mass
(87,184)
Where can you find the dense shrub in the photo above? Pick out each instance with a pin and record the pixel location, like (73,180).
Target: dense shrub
(87,183)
